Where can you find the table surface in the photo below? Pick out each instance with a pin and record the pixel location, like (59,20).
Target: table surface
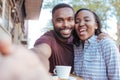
(77,78)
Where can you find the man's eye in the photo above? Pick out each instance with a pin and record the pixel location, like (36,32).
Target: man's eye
(70,19)
(59,20)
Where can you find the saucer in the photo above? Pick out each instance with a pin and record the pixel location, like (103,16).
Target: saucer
(57,78)
(72,78)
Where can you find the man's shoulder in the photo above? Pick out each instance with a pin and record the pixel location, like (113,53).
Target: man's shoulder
(107,41)
(47,37)
(48,34)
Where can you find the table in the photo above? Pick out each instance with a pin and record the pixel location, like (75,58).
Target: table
(77,78)
(56,77)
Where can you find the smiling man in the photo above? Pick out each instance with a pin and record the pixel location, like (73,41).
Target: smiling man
(56,45)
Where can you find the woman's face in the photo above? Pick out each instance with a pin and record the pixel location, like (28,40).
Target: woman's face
(85,24)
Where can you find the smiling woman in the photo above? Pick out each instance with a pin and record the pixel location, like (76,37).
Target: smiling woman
(93,59)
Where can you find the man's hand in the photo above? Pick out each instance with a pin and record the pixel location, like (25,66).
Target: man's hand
(5,44)
(103,35)
(22,64)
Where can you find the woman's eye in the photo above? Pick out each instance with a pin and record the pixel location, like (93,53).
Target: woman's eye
(87,20)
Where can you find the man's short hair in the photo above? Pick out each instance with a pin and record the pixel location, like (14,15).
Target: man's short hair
(61,5)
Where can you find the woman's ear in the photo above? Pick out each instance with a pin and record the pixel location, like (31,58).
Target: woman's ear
(96,25)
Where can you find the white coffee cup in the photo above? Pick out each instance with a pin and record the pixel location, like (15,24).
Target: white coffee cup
(62,72)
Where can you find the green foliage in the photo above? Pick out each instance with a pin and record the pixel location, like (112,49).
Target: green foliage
(116,4)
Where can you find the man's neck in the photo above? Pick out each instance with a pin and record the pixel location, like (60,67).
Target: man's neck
(61,38)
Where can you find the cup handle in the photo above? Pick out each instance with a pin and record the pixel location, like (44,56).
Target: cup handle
(54,71)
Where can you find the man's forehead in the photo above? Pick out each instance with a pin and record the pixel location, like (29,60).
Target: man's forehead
(64,12)
(64,8)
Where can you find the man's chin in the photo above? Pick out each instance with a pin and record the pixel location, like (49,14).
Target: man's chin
(63,36)
(66,36)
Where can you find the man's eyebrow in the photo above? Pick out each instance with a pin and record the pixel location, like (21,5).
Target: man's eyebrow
(59,18)
(71,17)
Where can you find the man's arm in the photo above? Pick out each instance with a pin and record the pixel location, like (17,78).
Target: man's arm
(103,35)
(21,64)
(44,52)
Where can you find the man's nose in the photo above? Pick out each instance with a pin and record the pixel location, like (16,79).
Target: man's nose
(66,23)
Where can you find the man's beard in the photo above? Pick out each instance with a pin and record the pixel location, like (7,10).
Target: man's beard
(59,34)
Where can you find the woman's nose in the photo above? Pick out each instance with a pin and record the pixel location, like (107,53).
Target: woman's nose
(81,23)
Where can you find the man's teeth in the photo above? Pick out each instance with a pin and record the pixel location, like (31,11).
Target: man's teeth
(66,30)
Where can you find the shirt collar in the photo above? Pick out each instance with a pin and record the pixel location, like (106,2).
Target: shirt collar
(91,39)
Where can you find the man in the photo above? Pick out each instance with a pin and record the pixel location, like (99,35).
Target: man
(56,45)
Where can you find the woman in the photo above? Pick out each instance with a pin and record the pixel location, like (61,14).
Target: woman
(94,60)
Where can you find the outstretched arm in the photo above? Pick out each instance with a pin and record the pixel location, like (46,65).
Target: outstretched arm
(18,62)
(44,52)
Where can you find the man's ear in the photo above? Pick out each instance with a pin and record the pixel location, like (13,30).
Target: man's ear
(52,20)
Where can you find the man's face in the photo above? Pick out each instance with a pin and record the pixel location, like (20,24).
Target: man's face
(63,22)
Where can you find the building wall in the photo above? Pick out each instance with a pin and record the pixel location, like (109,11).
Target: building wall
(11,21)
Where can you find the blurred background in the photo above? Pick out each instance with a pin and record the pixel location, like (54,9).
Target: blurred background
(26,20)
